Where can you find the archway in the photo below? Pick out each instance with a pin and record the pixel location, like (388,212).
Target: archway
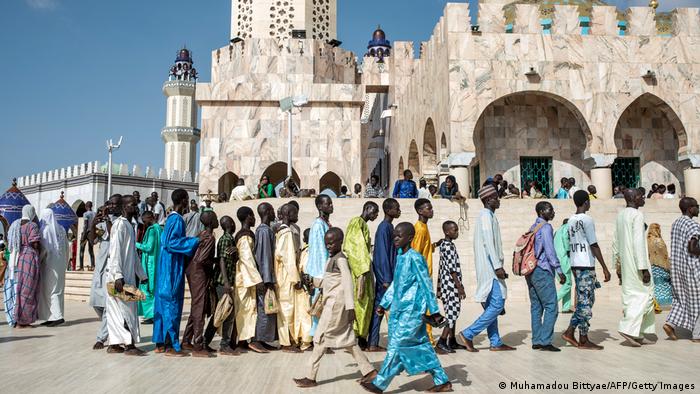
(401,166)
(413,159)
(430,158)
(443,147)
(277,172)
(530,136)
(330,180)
(649,138)
(227,182)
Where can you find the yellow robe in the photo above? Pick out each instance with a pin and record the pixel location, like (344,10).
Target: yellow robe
(301,328)
(247,277)
(286,276)
(357,247)
(423,245)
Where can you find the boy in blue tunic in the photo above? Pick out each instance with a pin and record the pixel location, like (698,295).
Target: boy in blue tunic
(408,298)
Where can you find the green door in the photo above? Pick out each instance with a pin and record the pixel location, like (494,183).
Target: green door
(476,181)
(625,171)
(536,169)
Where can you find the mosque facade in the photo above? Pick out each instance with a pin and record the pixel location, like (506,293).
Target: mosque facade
(532,90)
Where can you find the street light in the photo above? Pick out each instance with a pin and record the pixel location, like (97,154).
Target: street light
(287,105)
(111,147)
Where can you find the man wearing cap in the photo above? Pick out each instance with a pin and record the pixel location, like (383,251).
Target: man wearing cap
(490,275)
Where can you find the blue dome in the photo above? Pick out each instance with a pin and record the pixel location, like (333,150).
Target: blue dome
(64,213)
(379,39)
(183,55)
(11,203)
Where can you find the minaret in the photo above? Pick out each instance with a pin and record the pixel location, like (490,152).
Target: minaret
(279,18)
(180,133)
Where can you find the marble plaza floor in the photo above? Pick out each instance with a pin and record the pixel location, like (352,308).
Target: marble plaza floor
(60,360)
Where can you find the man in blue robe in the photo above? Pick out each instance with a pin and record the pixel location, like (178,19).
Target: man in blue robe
(318,254)
(406,187)
(383,263)
(175,247)
(408,298)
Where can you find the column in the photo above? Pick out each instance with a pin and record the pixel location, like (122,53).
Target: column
(601,178)
(692,182)
(461,174)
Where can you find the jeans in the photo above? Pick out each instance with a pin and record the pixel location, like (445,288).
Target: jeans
(543,305)
(85,242)
(489,319)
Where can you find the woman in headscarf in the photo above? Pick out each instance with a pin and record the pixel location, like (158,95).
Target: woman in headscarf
(660,267)
(54,257)
(25,240)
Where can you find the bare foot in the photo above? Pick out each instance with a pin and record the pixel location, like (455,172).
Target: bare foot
(568,336)
(173,353)
(369,377)
(443,388)
(468,344)
(671,332)
(290,349)
(632,341)
(585,344)
(159,349)
(98,346)
(229,351)
(305,382)
(502,348)
(257,348)
(115,349)
(133,351)
(201,353)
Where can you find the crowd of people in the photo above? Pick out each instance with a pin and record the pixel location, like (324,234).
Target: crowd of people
(275,287)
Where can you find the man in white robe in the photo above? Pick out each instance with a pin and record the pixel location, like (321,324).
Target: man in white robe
(123,268)
(630,249)
(54,258)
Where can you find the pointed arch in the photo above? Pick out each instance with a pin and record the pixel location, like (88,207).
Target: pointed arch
(227,182)
(443,147)
(414,159)
(330,180)
(430,151)
(401,166)
(277,172)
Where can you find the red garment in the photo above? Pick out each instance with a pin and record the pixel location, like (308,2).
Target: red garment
(27,276)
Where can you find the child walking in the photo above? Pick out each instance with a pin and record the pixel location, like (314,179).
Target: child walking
(450,289)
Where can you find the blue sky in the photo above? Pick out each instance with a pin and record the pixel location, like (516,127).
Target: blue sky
(77,72)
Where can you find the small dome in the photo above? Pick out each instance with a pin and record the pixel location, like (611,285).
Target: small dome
(65,216)
(184,56)
(379,39)
(11,203)
(378,34)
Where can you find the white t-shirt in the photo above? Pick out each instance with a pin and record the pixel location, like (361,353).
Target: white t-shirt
(159,211)
(573,190)
(581,237)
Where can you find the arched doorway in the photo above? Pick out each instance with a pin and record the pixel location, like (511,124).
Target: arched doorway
(227,182)
(330,180)
(401,166)
(277,172)
(430,158)
(649,137)
(443,147)
(413,159)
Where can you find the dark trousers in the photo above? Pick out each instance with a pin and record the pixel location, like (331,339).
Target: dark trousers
(194,331)
(375,324)
(91,252)
(227,328)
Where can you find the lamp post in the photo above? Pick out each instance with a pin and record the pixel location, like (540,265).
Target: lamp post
(287,105)
(111,147)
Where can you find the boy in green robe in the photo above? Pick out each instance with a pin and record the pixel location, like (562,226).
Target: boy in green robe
(149,248)
(358,249)
(561,246)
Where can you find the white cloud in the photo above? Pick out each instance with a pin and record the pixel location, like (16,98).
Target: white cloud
(42,4)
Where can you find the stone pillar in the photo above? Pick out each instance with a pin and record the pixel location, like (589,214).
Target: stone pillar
(601,178)
(461,174)
(692,182)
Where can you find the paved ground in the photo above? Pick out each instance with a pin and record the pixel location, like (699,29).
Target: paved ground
(60,360)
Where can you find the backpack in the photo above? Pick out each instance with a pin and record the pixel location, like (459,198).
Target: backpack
(524,259)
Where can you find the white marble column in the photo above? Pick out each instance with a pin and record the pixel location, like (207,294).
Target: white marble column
(601,178)
(692,182)
(461,174)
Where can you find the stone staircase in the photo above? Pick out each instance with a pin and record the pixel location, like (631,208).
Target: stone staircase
(515,217)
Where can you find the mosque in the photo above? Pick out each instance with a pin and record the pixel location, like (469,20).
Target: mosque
(534,90)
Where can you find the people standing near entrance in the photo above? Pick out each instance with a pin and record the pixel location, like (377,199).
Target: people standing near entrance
(660,192)
(411,303)
(572,187)
(563,192)
(660,265)
(170,278)
(265,188)
(150,250)
(583,253)
(88,217)
(630,249)
(54,257)
(421,242)
(405,188)
(373,189)
(335,326)
(562,247)
(450,289)
(491,287)
(357,247)
(123,269)
(318,254)
(540,282)
(685,272)
(383,264)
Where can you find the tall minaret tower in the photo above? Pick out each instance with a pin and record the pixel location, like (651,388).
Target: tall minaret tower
(180,133)
(278,18)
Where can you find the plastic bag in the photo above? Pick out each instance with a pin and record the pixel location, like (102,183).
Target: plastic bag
(271,304)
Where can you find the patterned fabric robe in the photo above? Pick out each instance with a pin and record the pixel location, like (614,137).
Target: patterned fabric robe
(685,275)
